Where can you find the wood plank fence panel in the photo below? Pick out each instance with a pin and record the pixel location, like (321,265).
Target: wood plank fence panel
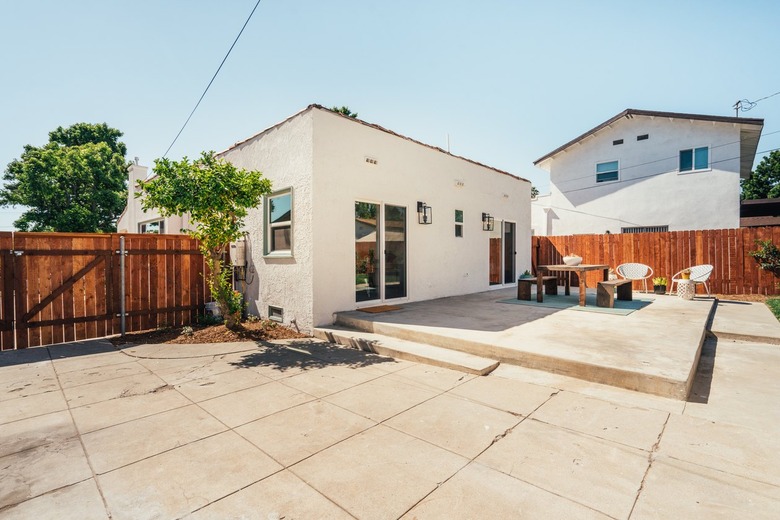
(727,250)
(60,287)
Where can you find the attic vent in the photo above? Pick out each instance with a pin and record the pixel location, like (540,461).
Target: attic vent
(371,160)
(617,142)
(275,313)
(642,137)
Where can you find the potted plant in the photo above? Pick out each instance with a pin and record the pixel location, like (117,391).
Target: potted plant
(526,274)
(659,285)
(686,274)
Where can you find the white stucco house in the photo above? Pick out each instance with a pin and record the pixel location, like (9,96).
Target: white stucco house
(646,171)
(361,216)
(135,220)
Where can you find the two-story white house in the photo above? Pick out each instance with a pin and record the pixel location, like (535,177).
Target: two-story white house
(648,171)
(361,216)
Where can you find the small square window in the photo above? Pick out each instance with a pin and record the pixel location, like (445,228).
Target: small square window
(695,159)
(643,137)
(275,313)
(607,171)
(617,142)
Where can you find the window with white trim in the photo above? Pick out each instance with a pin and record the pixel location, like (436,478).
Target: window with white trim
(607,171)
(157,227)
(694,159)
(278,223)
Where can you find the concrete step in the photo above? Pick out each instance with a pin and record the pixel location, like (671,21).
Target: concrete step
(407,350)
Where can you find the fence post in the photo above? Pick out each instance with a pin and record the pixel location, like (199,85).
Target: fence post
(122,325)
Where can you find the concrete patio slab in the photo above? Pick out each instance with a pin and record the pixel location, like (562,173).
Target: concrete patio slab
(505,394)
(75,502)
(282,495)
(103,373)
(636,427)
(329,380)
(117,446)
(748,321)
(678,489)
(251,404)
(36,431)
(91,393)
(477,491)
(23,380)
(455,424)
(220,384)
(180,481)
(63,364)
(382,398)
(734,449)
(31,406)
(380,473)
(299,432)
(599,474)
(95,416)
(435,378)
(653,350)
(30,473)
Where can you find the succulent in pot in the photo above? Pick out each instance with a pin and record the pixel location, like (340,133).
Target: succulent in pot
(686,274)
(659,285)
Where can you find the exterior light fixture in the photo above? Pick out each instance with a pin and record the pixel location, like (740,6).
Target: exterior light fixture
(424,213)
(488,222)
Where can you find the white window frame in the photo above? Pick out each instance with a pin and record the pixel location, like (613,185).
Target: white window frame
(693,160)
(459,225)
(159,221)
(268,226)
(617,170)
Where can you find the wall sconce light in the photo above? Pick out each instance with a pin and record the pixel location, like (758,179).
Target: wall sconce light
(487,222)
(424,213)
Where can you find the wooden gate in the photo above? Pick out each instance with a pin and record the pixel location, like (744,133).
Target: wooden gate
(60,287)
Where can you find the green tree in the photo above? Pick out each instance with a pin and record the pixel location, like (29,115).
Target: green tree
(77,182)
(764,181)
(534,192)
(217,196)
(346,111)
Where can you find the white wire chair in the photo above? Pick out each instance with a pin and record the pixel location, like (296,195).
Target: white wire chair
(699,275)
(633,271)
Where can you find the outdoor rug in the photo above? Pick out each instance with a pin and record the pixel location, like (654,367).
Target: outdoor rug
(380,308)
(572,302)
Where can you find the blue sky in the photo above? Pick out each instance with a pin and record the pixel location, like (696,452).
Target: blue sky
(508,81)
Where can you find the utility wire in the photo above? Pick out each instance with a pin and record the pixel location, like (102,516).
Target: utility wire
(743,105)
(212,79)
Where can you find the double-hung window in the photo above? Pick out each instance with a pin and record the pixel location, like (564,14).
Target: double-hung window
(607,171)
(278,224)
(694,159)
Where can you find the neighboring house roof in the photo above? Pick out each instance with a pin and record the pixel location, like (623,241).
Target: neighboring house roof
(751,131)
(370,125)
(759,212)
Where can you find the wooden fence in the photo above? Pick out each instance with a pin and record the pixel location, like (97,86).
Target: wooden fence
(60,287)
(735,271)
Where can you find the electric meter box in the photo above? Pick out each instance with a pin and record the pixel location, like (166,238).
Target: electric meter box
(238,253)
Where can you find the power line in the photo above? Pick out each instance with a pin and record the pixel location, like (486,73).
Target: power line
(743,105)
(212,79)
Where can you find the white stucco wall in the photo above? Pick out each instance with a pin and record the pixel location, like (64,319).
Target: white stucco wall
(133,215)
(438,263)
(284,155)
(651,191)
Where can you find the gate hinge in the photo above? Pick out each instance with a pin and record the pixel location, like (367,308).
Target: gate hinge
(120,252)
(16,252)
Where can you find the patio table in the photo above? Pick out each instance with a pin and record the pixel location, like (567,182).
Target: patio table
(568,269)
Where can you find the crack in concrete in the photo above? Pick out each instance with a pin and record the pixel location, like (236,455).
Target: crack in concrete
(650,460)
